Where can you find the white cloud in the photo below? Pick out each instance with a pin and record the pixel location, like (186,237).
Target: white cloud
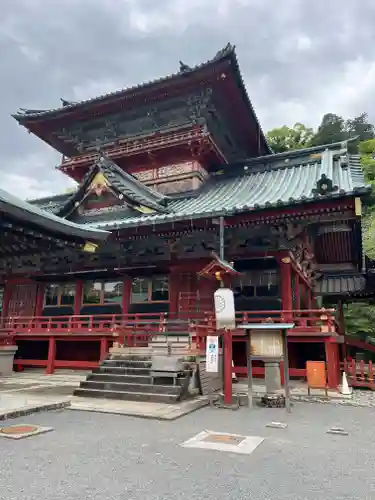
(299,60)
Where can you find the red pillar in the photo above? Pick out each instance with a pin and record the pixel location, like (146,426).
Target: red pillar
(341,317)
(6,299)
(39,300)
(173,294)
(333,364)
(228,353)
(126,293)
(103,348)
(78,297)
(286,287)
(51,356)
(296,282)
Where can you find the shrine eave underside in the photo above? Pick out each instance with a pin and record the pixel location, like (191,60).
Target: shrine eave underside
(272,182)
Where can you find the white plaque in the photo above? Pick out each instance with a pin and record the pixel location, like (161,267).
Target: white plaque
(212,354)
(267,343)
(224,309)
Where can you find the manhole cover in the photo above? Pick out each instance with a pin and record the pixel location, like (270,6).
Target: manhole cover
(224,438)
(19,429)
(22,431)
(222,441)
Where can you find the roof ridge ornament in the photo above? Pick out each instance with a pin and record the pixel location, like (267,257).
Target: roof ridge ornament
(184,68)
(227,50)
(324,186)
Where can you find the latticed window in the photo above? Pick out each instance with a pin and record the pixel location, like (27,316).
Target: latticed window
(102,292)
(150,289)
(262,283)
(58,294)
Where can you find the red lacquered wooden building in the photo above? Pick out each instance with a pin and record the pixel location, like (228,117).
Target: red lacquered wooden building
(179,171)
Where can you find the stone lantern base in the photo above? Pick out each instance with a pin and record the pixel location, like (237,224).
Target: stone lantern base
(7,353)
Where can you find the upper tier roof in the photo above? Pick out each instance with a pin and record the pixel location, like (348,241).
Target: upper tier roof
(46,123)
(280,180)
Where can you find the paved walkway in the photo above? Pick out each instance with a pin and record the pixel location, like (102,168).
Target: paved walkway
(94,456)
(31,391)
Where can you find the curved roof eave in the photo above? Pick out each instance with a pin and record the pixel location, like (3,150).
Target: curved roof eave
(26,212)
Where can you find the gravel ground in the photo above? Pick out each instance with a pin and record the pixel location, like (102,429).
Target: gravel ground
(96,456)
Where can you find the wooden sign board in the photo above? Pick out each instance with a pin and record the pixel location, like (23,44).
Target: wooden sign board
(267,343)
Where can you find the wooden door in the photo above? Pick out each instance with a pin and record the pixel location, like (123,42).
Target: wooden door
(22,300)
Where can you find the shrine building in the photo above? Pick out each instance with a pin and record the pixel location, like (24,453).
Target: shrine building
(177,187)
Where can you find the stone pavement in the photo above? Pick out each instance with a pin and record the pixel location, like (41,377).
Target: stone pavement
(157,411)
(33,391)
(94,456)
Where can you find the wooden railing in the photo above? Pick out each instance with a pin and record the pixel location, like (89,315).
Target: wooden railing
(360,374)
(307,322)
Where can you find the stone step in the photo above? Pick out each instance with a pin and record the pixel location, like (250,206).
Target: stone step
(169,340)
(137,388)
(109,377)
(127,396)
(130,356)
(126,363)
(120,370)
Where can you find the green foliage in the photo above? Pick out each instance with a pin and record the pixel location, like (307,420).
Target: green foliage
(360,319)
(367,152)
(360,127)
(286,138)
(332,129)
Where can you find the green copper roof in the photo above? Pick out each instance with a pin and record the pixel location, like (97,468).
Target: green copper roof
(274,181)
(21,210)
(341,285)
(279,180)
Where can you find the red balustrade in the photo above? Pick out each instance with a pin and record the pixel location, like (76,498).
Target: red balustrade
(138,329)
(359,374)
(307,322)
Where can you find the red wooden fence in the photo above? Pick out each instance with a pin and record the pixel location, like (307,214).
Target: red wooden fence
(360,374)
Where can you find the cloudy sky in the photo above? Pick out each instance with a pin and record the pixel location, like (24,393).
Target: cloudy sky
(299,58)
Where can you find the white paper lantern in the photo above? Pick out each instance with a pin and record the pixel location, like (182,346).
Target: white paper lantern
(224,309)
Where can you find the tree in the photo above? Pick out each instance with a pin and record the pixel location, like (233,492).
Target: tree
(360,319)
(360,127)
(285,138)
(332,129)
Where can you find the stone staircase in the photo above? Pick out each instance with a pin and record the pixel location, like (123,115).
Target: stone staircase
(129,378)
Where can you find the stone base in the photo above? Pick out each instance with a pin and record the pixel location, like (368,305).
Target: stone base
(7,353)
(272,377)
(167,364)
(118,352)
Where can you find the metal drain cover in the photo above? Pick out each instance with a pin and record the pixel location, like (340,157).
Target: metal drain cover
(224,438)
(223,441)
(22,431)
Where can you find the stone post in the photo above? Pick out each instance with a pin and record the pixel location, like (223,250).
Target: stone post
(272,376)
(7,353)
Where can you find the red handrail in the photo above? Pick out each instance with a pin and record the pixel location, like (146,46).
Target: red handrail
(306,321)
